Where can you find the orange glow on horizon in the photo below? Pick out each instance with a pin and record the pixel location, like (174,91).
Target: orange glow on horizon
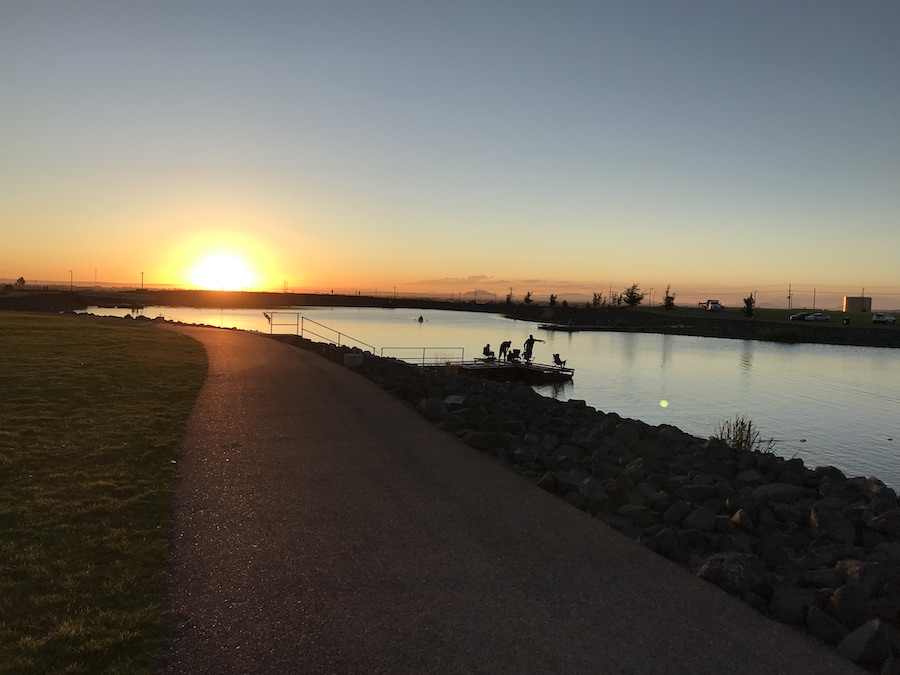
(223,260)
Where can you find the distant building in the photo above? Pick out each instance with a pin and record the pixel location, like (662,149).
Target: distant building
(857,304)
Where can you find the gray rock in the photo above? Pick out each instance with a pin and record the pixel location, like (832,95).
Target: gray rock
(823,578)
(435,409)
(626,433)
(827,523)
(547,482)
(742,519)
(483,440)
(664,542)
(676,513)
(702,519)
(748,477)
(568,456)
(868,575)
(849,604)
(569,480)
(640,516)
(791,604)
(890,549)
(698,493)
(453,423)
(594,494)
(735,573)
(825,627)
(870,644)
(778,492)
(886,523)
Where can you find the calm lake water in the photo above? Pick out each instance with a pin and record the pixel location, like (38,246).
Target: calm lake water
(827,404)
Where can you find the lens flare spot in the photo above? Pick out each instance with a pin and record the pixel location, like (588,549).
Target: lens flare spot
(664,403)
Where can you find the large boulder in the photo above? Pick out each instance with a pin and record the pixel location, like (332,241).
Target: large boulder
(870,644)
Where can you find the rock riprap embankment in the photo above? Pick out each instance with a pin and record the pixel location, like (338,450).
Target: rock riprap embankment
(809,547)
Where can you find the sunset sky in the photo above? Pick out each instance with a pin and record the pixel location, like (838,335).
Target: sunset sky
(715,146)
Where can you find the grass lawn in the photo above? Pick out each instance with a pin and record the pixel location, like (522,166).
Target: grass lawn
(91,414)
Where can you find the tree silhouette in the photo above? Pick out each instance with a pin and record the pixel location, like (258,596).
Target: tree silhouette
(633,296)
(669,300)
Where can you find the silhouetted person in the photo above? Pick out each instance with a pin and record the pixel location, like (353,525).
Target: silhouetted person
(504,348)
(488,354)
(529,346)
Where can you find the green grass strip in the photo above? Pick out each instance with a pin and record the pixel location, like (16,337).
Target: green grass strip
(91,415)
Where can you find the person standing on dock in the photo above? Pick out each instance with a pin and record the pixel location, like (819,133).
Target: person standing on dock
(504,348)
(529,346)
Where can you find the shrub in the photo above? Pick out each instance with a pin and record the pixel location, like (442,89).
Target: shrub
(740,434)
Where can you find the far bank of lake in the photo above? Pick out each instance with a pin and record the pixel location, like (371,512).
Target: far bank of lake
(768,325)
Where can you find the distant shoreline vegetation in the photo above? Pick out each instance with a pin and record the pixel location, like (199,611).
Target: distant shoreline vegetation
(771,325)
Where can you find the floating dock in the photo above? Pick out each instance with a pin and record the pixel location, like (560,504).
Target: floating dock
(520,371)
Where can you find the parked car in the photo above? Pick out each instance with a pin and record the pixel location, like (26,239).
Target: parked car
(799,317)
(714,306)
(818,316)
(883,317)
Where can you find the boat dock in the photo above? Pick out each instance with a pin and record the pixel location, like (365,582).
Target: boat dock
(490,368)
(521,371)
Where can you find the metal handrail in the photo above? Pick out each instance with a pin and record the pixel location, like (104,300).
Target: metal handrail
(272,317)
(436,358)
(303,330)
(299,322)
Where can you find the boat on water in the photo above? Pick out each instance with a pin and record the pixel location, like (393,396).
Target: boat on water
(562,327)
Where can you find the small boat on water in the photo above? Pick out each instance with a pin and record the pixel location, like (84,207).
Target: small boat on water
(562,327)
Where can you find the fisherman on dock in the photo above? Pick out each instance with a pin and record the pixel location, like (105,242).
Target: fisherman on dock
(504,349)
(488,354)
(529,347)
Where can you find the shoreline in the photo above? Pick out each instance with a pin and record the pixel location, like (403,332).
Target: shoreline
(680,321)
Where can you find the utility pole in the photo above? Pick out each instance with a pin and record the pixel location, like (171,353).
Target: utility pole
(789,297)
(71,282)
(142,281)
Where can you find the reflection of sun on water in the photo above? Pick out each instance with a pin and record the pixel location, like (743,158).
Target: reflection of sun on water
(223,271)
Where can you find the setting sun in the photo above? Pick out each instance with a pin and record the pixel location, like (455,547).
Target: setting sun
(223,271)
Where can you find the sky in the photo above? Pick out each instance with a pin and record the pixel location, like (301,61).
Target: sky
(714,147)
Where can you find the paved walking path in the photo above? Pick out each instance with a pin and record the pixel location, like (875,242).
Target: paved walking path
(324,527)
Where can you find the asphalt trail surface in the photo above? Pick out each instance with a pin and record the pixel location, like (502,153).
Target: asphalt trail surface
(323,526)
